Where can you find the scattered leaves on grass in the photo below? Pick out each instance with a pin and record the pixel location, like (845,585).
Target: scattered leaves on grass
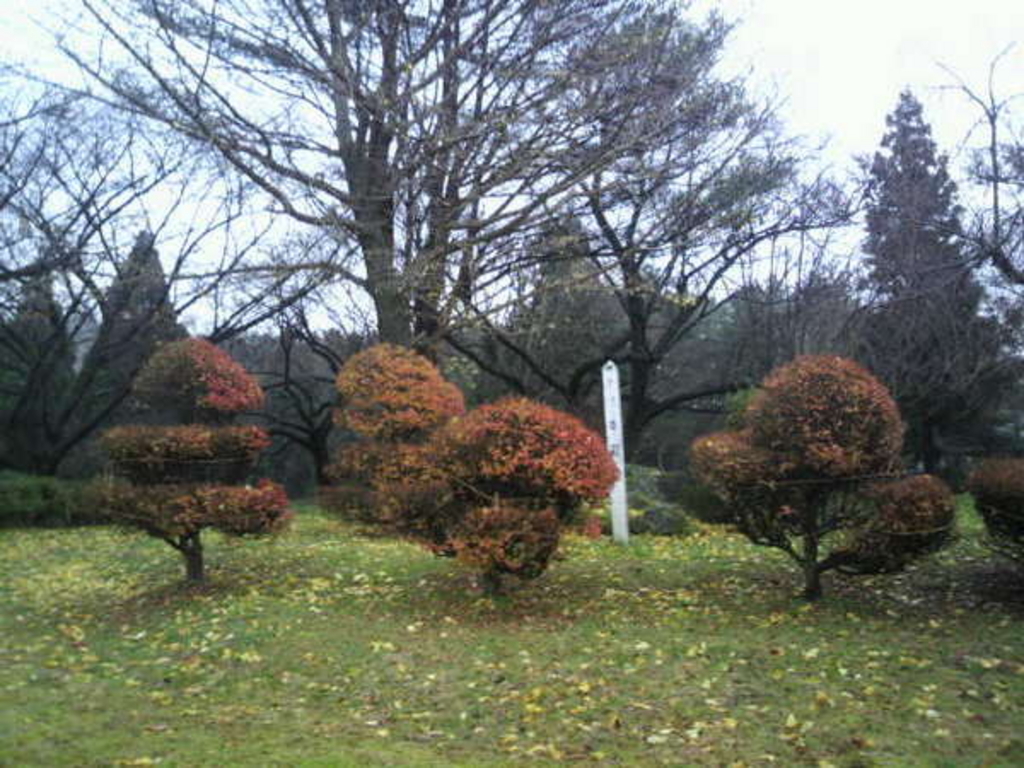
(672,650)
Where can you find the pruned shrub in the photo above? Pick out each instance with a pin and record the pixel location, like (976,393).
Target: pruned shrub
(515,471)
(520,449)
(186,478)
(822,417)
(392,394)
(188,453)
(998,489)
(491,487)
(399,483)
(395,400)
(506,538)
(198,381)
(731,465)
(818,431)
(911,517)
(178,514)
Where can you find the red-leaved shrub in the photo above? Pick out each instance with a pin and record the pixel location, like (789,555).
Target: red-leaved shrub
(189,442)
(178,473)
(730,464)
(491,487)
(512,473)
(821,417)
(180,511)
(912,516)
(817,432)
(506,538)
(998,489)
(519,449)
(198,380)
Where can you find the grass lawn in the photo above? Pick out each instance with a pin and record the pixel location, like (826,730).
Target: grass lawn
(329,647)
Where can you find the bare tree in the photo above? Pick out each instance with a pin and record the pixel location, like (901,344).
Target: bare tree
(998,230)
(419,130)
(78,326)
(667,225)
(297,366)
(23,150)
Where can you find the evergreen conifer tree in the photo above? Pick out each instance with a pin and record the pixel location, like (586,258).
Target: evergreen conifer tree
(925,333)
(36,369)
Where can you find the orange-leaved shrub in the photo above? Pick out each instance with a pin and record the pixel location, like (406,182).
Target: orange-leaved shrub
(398,485)
(198,380)
(394,399)
(818,431)
(518,470)
(391,393)
(184,478)
(491,487)
(997,485)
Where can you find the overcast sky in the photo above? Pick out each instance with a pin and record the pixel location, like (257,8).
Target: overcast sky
(839,64)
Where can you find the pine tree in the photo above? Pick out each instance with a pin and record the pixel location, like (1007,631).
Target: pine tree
(36,370)
(137,316)
(913,220)
(925,333)
(49,405)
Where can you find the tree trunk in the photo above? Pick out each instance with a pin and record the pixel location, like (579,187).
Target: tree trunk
(490,581)
(931,454)
(809,559)
(812,580)
(191,548)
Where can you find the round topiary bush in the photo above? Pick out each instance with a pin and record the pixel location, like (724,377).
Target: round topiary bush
(998,489)
(823,416)
(730,464)
(516,472)
(198,382)
(819,430)
(394,399)
(390,393)
(519,449)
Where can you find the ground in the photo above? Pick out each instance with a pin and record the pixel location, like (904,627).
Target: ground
(330,646)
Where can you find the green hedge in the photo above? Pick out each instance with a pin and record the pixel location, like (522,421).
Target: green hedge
(697,500)
(40,500)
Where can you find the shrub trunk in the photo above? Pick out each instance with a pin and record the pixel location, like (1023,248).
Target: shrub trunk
(191,548)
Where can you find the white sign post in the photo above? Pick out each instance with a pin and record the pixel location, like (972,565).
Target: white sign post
(613,434)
